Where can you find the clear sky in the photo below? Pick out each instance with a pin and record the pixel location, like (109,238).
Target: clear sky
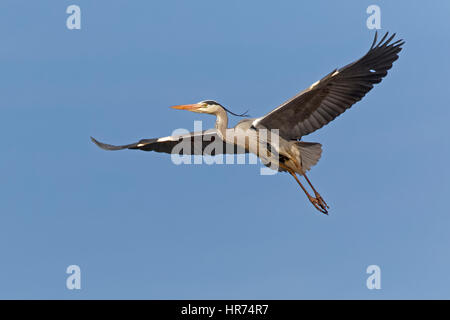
(140,227)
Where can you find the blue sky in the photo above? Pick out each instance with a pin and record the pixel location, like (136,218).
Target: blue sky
(140,227)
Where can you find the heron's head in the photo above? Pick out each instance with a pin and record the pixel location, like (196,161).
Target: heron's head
(206,106)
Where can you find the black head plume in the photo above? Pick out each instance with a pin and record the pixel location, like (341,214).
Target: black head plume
(245,114)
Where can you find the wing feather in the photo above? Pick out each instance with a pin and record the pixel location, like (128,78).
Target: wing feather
(195,143)
(331,96)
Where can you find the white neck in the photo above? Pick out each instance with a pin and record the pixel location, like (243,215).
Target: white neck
(221,122)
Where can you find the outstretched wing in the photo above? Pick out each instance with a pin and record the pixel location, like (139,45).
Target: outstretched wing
(329,97)
(195,143)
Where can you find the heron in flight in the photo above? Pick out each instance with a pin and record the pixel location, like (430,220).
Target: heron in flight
(301,115)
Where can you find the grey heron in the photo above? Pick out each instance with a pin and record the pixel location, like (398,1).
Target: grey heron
(299,116)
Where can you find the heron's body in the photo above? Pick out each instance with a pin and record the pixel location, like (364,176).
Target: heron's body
(276,137)
(273,150)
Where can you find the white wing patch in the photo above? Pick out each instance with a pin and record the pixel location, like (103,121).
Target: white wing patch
(256,121)
(314,84)
(170,138)
(317,82)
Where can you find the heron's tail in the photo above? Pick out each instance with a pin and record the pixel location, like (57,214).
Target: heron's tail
(310,153)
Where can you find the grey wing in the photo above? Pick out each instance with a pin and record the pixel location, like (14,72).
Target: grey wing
(195,143)
(329,97)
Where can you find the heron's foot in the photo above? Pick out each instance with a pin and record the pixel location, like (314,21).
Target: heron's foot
(322,202)
(319,203)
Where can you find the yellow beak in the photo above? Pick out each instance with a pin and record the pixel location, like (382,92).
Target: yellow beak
(188,107)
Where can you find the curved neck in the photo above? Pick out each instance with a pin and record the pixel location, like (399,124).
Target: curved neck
(221,123)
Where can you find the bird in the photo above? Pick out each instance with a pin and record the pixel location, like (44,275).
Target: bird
(306,112)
